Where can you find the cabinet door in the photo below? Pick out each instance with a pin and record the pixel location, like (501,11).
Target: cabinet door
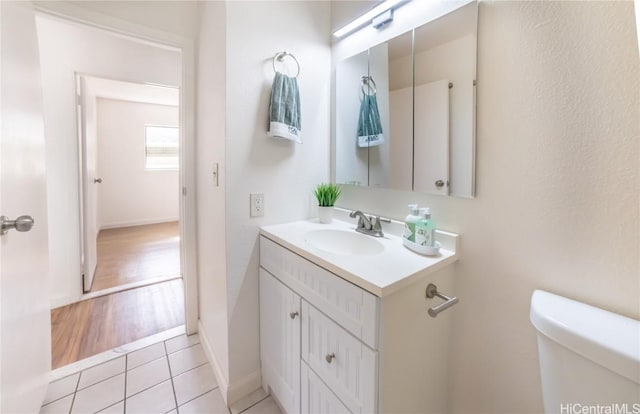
(317,397)
(280,341)
(346,365)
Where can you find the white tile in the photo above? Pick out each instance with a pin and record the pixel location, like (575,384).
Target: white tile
(61,388)
(117,408)
(99,396)
(210,403)
(115,352)
(173,412)
(158,399)
(101,372)
(147,375)
(180,342)
(60,406)
(251,399)
(144,355)
(86,363)
(187,358)
(266,406)
(194,383)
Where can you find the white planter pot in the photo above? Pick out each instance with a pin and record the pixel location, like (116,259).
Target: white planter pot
(325,214)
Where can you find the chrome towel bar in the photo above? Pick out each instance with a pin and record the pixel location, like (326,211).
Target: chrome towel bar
(432,291)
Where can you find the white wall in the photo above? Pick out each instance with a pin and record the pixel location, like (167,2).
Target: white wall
(65,49)
(130,195)
(285,172)
(211,214)
(558,188)
(179,17)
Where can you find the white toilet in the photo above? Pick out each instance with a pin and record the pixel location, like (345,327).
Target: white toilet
(589,357)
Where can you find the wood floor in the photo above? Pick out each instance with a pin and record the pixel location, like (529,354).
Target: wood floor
(96,325)
(133,254)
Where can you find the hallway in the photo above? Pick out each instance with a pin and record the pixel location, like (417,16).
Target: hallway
(89,327)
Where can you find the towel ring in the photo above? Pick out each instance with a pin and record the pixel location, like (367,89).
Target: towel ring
(370,84)
(280,58)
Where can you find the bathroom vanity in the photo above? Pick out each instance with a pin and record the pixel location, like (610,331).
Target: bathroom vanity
(344,326)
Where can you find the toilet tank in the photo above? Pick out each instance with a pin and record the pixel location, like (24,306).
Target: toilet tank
(589,357)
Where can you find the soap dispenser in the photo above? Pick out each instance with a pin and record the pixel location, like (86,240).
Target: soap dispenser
(410,223)
(425,229)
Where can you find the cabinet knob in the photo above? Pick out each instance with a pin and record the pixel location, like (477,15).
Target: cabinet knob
(440,183)
(293,315)
(330,357)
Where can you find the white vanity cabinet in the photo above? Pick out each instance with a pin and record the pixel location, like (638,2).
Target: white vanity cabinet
(331,346)
(280,340)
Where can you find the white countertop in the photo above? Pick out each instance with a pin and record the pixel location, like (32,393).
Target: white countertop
(382,273)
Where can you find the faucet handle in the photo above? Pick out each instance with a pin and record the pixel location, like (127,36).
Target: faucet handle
(377,226)
(360,215)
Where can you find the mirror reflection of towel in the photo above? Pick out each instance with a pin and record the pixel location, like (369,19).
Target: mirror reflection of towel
(369,124)
(284,109)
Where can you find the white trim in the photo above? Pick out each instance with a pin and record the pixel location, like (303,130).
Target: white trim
(231,392)
(128,286)
(240,389)
(132,223)
(186,46)
(64,300)
(217,370)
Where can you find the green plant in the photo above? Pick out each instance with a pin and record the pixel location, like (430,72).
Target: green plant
(327,194)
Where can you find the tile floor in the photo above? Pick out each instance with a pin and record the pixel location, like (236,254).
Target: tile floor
(172,376)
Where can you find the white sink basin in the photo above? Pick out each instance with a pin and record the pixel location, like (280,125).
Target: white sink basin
(344,242)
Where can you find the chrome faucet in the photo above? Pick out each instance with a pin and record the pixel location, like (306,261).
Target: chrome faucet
(369,225)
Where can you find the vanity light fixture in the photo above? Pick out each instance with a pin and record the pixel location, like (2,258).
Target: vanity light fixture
(369,16)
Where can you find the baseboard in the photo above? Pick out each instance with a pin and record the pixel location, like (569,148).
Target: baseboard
(63,301)
(240,389)
(132,223)
(231,393)
(217,370)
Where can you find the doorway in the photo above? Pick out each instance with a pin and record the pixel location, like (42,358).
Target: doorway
(132,242)
(129,156)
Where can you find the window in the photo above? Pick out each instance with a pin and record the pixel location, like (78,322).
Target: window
(161,147)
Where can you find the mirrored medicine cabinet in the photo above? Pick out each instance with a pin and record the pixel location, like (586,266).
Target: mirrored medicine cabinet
(405,110)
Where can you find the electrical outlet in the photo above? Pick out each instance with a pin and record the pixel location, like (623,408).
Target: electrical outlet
(256,201)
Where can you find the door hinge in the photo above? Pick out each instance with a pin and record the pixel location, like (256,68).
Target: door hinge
(184,191)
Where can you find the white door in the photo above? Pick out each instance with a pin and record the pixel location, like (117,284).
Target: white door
(25,327)
(89,180)
(280,341)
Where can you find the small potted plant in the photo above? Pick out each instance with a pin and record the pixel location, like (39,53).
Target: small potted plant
(327,194)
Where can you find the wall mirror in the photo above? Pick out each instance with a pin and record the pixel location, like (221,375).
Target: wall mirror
(405,110)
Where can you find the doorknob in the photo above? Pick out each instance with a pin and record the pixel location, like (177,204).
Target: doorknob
(97,180)
(22,223)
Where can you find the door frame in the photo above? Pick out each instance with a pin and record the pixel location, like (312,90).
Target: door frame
(186,47)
